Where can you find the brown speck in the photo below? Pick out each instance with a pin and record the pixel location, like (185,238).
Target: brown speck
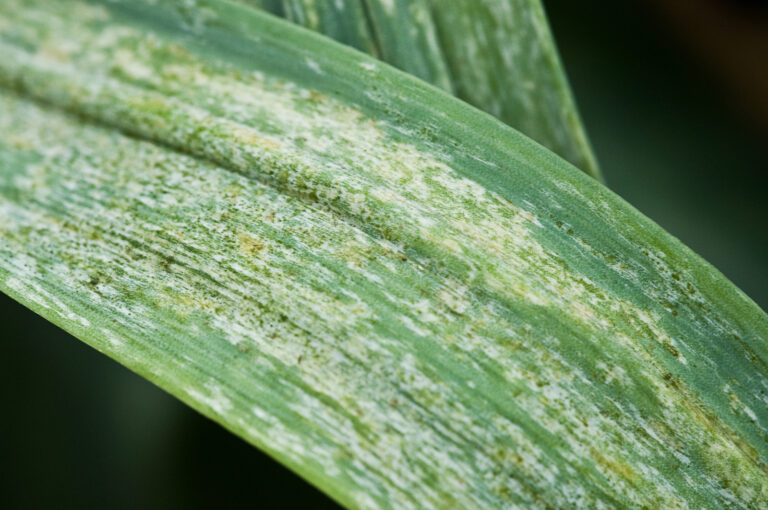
(671,349)
(167,261)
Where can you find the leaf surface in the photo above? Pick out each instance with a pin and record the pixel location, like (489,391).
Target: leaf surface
(398,296)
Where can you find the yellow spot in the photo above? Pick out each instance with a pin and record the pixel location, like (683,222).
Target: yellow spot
(619,468)
(248,137)
(250,246)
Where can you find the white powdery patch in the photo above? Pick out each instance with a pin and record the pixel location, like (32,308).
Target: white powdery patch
(113,339)
(313,65)
(214,398)
(389,6)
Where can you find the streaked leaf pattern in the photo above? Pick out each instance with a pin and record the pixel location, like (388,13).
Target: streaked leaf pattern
(401,298)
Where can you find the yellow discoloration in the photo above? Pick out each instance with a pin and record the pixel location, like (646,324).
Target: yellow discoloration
(250,246)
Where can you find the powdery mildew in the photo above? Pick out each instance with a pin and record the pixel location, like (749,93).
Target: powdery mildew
(344,300)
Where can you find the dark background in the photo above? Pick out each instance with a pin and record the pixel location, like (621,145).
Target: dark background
(675,100)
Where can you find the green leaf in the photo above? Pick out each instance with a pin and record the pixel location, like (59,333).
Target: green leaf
(497,55)
(505,62)
(399,297)
(343,20)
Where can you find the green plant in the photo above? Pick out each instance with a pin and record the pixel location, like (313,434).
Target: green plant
(396,295)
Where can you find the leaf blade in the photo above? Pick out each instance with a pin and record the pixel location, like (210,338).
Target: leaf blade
(509,286)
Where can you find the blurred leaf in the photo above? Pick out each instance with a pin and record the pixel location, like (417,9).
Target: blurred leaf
(399,297)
